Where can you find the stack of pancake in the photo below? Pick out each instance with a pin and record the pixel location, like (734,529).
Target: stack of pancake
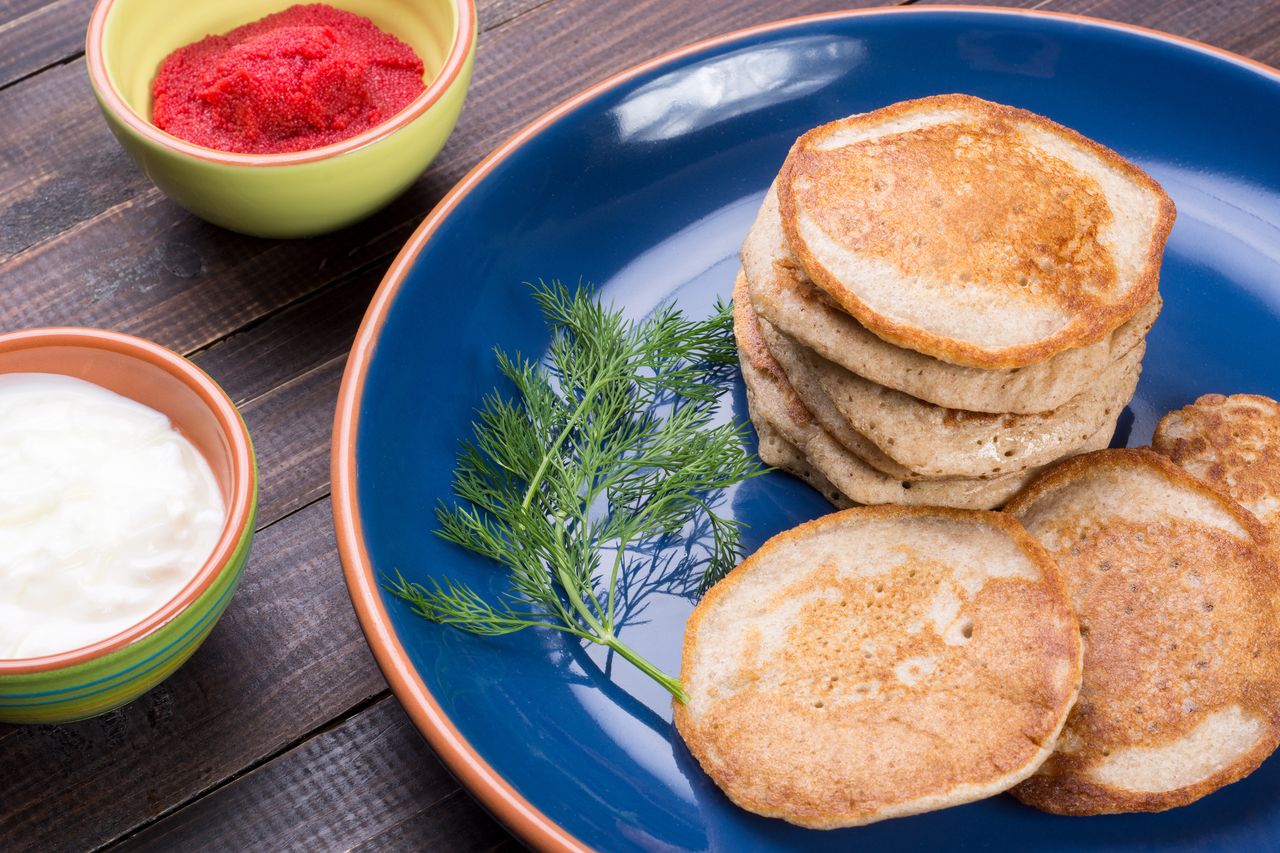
(941,297)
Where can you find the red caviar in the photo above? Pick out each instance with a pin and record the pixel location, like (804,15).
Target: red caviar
(299,79)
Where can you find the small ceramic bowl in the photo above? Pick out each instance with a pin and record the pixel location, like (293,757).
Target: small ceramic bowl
(95,679)
(296,194)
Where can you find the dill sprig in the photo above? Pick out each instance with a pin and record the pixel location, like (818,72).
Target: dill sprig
(607,445)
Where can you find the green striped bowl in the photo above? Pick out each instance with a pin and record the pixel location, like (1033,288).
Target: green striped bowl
(89,681)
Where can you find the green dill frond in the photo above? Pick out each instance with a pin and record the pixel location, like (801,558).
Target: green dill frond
(608,444)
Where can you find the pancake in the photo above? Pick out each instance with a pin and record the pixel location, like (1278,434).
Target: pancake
(783,295)
(879,662)
(773,402)
(1233,444)
(940,442)
(1177,600)
(815,407)
(822,408)
(775,452)
(976,233)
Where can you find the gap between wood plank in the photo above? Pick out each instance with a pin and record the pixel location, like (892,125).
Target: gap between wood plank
(440,801)
(327,363)
(43,68)
(334,723)
(148,195)
(324,290)
(502,22)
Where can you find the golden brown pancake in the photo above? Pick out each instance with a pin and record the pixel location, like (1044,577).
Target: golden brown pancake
(782,294)
(1177,600)
(879,662)
(817,413)
(809,391)
(776,452)
(976,233)
(936,442)
(773,403)
(1233,444)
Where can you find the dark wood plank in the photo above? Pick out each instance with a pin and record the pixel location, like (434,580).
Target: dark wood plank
(286,658)
(1247,27)
(149,268)
(59,164)
(456,820)
(34,36)
(12,10)
(495,13)
(291,426)
(286,345)
(146,267)
(352,784)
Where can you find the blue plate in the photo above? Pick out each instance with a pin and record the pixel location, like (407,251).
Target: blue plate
(646,185)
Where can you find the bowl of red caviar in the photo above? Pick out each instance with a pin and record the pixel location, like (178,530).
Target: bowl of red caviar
(278,119)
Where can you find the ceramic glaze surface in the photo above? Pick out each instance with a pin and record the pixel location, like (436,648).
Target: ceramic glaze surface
(647,190)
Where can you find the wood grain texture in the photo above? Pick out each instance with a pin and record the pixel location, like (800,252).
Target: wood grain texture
(1248,27)
(291,426)
(495,13)
(12,10)
(299,338)
(60,164)
(456,820)
(34,36)
(85,239)
(371,779)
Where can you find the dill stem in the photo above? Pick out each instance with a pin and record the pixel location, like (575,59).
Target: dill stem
(606,637)
(672,685)
(554,449)
(571,591)
(613,578)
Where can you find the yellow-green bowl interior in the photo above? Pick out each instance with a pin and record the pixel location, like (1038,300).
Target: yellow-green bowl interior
(139,34)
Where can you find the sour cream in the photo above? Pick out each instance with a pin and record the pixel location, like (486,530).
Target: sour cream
(106,512)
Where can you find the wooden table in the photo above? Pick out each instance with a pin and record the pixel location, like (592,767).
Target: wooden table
(280,732)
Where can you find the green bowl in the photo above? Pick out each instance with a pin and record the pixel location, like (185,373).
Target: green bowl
(98,678)
(297,194)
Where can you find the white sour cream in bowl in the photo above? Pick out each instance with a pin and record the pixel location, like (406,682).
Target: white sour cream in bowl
(106,513)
